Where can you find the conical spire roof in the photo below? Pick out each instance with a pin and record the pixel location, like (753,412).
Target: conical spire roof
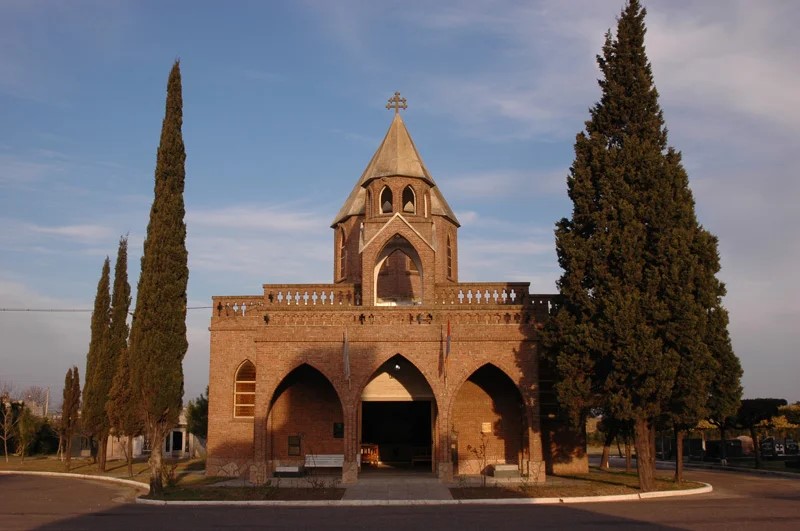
(396,156)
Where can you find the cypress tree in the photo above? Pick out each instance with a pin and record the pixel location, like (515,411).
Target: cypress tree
(158,332)
(726,386)
(122,407)
(631,335)
(70,408)
(99,371)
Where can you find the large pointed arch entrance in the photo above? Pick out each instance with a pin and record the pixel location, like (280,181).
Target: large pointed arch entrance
(397,418)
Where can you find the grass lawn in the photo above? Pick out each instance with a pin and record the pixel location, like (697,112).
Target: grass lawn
(186,471)
(596,483)
(190,481)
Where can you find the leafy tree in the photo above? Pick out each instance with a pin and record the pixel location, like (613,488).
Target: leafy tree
(632,334)
(69,412)
(613,429)
(754,411)
(791,412)
(10,411)
(27,430)
(197,415)
(99,369)
(158,333)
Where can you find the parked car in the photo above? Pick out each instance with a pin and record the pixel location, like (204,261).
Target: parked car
(792,447)
(767,446)
(772,446)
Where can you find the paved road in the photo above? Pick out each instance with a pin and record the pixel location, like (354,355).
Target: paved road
(739,502)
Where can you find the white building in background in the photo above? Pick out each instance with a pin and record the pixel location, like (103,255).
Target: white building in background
(179,444)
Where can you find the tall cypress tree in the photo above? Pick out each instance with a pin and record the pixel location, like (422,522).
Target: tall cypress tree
(122,407)
(726,386)
(158,333)
(70,408)
(631,335)
(99,369)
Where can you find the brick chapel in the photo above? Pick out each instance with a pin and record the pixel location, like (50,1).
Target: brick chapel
(396,363)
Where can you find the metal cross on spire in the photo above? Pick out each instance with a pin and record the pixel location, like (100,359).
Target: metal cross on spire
(397,103)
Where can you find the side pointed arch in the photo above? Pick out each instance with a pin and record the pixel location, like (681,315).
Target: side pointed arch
(386,201)
(488,413)
(409,200)
(317,430)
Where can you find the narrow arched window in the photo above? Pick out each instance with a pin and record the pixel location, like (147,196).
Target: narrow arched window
(449,258)
(409,200)
(386,200)
(244,400)
(342,254)
(369,209)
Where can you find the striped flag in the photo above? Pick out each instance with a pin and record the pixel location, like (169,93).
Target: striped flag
(346,355)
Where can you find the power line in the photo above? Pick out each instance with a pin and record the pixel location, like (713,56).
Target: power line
(76,310)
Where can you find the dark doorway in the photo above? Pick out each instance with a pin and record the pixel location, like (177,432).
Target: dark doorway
(400,433)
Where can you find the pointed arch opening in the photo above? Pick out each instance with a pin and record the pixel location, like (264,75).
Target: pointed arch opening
(305,417)
(386,200)
(398,274)
(244,391)
(449,257)
(342,254)
(489,424)
(409,200)
(398,415)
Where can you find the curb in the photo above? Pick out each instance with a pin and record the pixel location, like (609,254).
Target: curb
(706,488)
(742,470)
(128,482)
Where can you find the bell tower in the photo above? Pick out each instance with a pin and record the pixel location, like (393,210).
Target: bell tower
(395,235)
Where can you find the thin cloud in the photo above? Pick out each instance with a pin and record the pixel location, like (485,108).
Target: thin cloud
(81,233)
(254,217)
(505,183)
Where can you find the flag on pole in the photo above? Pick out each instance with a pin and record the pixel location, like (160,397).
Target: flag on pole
(447,349)
(346,355)
(447,344)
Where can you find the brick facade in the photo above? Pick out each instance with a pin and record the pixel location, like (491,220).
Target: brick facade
(380,332)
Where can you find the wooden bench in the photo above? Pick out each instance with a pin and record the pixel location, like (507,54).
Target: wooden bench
(324,460)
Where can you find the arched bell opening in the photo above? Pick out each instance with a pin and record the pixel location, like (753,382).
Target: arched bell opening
(489,424)
(398,416)
(398,274)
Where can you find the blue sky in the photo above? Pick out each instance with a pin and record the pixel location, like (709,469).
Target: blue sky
(284,106)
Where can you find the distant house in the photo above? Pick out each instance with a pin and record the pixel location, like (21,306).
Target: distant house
(179,444)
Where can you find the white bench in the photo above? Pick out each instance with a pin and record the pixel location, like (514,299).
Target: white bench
(288,471)
(324,460)
(505,471)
